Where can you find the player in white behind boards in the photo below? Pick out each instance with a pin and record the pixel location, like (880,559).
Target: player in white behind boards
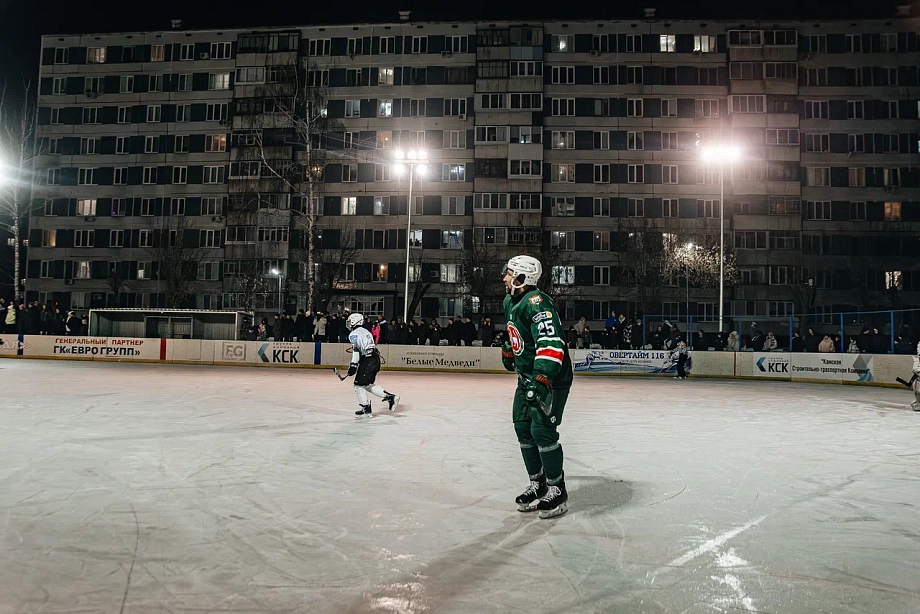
(365,363)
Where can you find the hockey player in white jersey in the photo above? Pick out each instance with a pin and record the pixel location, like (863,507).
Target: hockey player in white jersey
(365,363)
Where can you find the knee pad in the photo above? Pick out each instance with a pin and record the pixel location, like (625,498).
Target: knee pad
(523,432)
(543,435)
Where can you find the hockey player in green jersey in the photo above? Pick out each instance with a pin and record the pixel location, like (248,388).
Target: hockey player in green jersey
(536,350)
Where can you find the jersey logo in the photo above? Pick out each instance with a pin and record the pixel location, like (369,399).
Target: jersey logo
(543,315)
(535,300)
(515,339)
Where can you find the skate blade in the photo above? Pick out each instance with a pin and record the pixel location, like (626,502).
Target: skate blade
(528,507)
(395,403)
(553,513)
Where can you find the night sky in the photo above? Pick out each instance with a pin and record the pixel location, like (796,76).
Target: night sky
(23,21)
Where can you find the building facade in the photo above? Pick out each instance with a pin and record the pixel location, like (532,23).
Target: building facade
(203,168)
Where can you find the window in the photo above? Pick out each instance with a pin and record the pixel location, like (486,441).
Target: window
(669,174)
(119,207)
(84,238)
(635,207)
(526,168)
(256,74)
(669,141)
(563,106)
(856,143)
(382,172)
(454,139)
(219,81)
(890,143)
(633,43)
(215,143)
(669,107)
(634,107)
(892,177)
(49,238)
(563,173)
(526,134)
(562,240)
(157,53)
(858,211)
(667,43)
(120,176)
(817,143)
(154,113)
(214,174)
(892,212)
(150,175)
(385,76)
(419,44)
(88,145)
(177,206)
(116,238)
(707,108)
(86,206)
(126,84)
(601,173)
(183,112)
(782,136)
(789,70)
(209,238)
(85,176)
(151,144)
(91,115)
(634,75)
(417,107)
(349,173)
(563,206)
(58,86)
(352,108)
(601,139)
(180,175)
(489,236)
(274,234)
(453,172)
(741,70)
(526,68)
(453,44)
(749,104)
(634,140)
(452,239)
(780,275)
(82,269)
(212,206)
(818,210)
(453,205)
(751,239)
(353,77)
(454,106)
(704,44)
(891,106)
(525,101)
(745,38)
(857,177)
(355,46)
(636,173)
(601,207)
(563,275)
(220,51)
(61,55)
(855,109)
(181,144)
(490,101)
(563,139)
(95,55)
(601,75)
(217,112)
(818,176)
(322,46)
(563,75)
(563,43)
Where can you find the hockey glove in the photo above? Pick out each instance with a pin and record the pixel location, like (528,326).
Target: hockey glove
(352,369)
(539,393)
(507,357)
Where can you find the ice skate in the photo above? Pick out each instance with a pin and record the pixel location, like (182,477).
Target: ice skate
(526,500)
(365,410)
(553,503)
(392,399)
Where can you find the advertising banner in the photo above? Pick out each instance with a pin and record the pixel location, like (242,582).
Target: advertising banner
(832,367)
(425,357)
(92,348)
(772,364)
(625,361)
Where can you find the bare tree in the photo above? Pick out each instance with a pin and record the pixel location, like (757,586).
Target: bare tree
(298,119)
(329,262)
(177,255)
(482,275)
(250,284)
(420,287)
(18,150)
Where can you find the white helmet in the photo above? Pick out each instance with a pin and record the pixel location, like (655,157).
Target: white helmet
(354,321)
(525,267)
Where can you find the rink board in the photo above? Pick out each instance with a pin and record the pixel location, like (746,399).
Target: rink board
(877,369)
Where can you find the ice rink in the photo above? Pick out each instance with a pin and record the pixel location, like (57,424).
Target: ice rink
(158,488)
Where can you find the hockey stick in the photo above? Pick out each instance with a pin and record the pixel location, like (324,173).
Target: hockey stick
(341,377)
(900,381)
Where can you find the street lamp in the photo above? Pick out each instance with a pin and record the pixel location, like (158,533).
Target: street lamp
(411,161)
(280,276)
(721,155)
(689,247)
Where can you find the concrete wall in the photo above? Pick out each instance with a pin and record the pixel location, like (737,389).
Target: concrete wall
(868,369)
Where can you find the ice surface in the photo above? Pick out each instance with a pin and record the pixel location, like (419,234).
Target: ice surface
(155,488)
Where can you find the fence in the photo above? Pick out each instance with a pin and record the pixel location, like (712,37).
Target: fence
(889,332)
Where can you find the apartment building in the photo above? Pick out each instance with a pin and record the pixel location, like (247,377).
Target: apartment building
(568,139)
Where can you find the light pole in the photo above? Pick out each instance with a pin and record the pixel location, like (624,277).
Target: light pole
(412,161)
(689,247)
(721,155)
(278,273)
